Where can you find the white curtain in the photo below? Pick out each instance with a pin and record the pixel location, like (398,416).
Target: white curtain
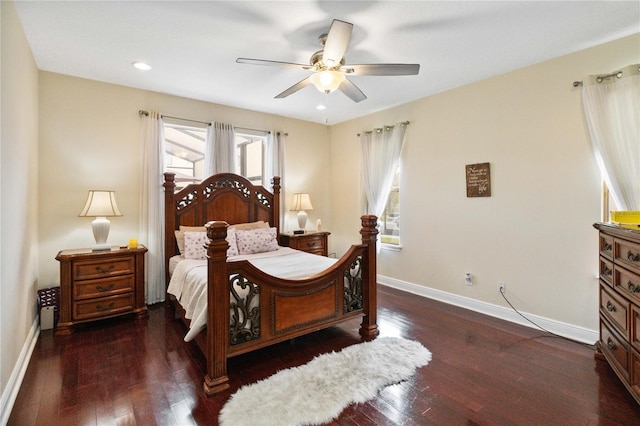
(220,149)
(273,165)
(381,149)
(151,205)
(612,113)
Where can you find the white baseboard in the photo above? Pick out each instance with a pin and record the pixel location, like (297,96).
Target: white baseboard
(10,392)
(570,331)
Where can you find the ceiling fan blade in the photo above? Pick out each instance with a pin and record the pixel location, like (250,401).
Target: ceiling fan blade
(299,85)
(271,63)
(381,69)
(352,91)
(337,42)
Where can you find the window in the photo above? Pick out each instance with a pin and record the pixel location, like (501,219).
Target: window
(184,151)
(250,153)
(185,147)
(390,232)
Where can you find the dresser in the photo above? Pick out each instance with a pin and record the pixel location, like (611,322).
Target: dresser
(95,285)
(311,242)
(619,291)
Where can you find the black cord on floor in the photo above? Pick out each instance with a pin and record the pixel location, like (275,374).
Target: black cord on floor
(540,327)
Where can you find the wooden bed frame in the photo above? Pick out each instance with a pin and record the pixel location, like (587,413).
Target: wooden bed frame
(286,308)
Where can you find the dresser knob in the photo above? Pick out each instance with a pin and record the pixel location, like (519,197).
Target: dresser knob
(612,346)
(632,287)
(101,308)
(633,257)
(611,307)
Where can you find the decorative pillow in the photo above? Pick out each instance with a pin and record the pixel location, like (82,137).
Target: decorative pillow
(249,226)
(180,235)
(257,240)
(194,244)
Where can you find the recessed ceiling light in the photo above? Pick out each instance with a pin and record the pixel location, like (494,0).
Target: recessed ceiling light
(141,66)
(321,107)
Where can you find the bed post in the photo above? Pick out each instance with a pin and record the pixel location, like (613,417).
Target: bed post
(275,210)
(169,222)
(369,232)
(216,379)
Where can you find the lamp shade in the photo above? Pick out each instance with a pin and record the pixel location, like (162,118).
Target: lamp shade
(301,201)
(101,204)
(327,81)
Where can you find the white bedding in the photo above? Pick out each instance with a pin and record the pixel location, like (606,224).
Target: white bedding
(189,278)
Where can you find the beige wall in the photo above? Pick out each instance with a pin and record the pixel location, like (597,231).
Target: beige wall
(534,232)
(18,200)
(89,139)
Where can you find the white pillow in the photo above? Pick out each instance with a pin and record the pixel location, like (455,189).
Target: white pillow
(257,240)
(194,244)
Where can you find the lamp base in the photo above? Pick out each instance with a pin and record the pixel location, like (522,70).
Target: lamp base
(101,247)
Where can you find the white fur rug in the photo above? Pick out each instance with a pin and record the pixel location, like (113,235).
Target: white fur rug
(318,391)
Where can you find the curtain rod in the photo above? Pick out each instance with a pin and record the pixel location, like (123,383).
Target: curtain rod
(601,78)
(146,114)
(404,122)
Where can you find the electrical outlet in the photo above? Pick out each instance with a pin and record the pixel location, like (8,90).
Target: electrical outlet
(468,279)
(502,287)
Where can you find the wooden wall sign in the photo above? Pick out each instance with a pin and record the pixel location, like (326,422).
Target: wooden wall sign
(478,180)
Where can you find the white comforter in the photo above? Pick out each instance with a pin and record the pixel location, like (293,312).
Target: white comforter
(189,279)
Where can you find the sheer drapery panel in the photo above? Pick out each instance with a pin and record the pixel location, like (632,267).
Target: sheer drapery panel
(612,114)
(220,149)
(151,205)
(381,149)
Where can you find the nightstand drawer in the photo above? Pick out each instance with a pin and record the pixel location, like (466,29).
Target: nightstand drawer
(101,288)
(90,269)
(606,271)
(314,242)
(103,307)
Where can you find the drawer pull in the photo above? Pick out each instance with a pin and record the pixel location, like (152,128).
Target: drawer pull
(101,308)
(311,244)
(633,257)
(610,306)
(607,246)
(612,346)
(107,270)
(107,288)
(607,271)
(633,288)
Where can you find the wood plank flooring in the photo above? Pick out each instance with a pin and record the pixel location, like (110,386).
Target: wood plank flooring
(484,372)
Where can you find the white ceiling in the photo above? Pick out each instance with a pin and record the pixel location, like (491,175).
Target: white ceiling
(193,46)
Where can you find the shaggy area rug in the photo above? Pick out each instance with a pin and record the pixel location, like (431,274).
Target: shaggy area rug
(318,391)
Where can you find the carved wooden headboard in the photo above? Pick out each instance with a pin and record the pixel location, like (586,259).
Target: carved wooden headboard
(224,196)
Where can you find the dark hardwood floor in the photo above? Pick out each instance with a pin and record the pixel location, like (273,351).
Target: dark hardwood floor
(484,371)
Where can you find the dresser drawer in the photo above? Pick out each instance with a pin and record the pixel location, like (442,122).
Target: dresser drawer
(627,283)
(103,307)
(615,349)
(634,371)
(606,246)
(91,269)
(634,325)
(88,289)
(628,254)
(606,270)
(615,308)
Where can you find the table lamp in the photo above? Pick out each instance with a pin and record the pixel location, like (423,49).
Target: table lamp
(101,204)
(301,203)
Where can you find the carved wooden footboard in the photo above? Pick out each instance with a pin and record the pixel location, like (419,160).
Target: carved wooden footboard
(285,308)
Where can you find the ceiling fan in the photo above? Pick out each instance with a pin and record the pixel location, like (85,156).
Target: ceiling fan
(328,67)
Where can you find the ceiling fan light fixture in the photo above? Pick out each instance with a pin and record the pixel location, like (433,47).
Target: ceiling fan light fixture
(327,81)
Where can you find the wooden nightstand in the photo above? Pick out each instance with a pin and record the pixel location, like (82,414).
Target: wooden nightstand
(311,242)
(95,285)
